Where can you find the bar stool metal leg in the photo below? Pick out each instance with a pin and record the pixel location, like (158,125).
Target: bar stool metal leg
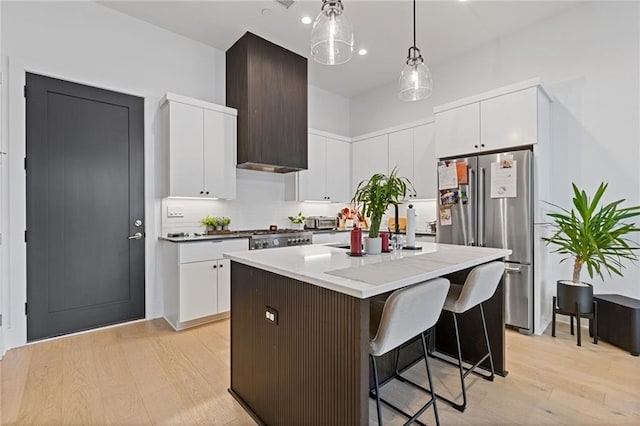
(377,394)
(460,368)
(433,394)
(486,338)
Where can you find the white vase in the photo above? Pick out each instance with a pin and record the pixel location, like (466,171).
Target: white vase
(372,245)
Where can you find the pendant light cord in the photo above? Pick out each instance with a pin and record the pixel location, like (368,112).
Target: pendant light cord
(414,24)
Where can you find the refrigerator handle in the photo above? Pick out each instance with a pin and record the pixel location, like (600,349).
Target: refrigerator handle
(481,207)
(472,177)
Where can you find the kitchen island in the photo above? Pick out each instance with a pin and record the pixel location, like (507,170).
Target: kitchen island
(300,325)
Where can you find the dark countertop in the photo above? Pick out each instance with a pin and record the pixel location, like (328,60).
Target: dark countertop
(205,238)
(241,234)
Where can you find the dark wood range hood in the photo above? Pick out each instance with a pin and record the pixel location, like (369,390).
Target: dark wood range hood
(267,84)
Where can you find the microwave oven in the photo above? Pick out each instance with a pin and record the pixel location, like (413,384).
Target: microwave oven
(321,222)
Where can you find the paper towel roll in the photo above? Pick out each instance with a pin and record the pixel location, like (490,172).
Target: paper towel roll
(411,226)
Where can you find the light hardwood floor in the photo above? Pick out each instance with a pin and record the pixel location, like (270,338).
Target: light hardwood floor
(145,373)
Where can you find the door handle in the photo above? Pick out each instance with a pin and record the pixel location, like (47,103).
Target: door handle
(136,236)
(481,184)
(514,270)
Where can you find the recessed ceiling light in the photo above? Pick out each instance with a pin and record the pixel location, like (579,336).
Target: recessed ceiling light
(266,12)
(306,20)
(362,52)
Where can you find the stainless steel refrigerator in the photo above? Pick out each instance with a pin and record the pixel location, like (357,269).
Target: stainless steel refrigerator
(491,205)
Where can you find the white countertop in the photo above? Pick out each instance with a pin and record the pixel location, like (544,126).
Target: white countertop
(321,265)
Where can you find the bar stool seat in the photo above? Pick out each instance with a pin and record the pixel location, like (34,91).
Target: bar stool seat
(479,287)
(406,314)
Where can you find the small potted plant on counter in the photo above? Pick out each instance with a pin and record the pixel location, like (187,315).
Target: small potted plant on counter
(225,221)
(297,221)
(373,197)
(209,223)
(592,237)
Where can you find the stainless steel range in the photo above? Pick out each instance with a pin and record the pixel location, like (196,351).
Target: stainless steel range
(280,238)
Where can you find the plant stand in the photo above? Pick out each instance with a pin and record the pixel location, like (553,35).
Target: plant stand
(592,316)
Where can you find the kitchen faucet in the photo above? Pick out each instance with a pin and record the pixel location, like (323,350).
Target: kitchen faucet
(397,223)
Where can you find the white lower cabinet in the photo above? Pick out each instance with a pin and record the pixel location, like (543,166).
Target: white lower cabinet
(197,281)
(224,285)
(331,237)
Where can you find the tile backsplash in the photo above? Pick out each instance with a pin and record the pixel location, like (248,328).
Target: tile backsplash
(260,203)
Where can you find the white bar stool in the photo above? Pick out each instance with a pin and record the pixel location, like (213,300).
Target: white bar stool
(407,313)
(479,287)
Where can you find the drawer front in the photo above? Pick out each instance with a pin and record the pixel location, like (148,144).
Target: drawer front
(210,250)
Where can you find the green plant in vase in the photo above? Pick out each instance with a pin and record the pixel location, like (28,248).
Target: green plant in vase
(225,221)
(209,223)
(297,220)
(374,196)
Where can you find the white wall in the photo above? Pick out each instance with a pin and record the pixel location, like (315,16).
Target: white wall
(589,60)
(88,43)
(328,112)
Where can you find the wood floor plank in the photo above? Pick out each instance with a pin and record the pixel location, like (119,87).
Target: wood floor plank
(146,373)
(120,396)
(42,398)
(15,368)
(82,400)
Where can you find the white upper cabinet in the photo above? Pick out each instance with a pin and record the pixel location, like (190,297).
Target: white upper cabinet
(186,135)
(328,177)
(312,183)
(425,178)
(413,152)
(502,119)
(368,157)
(401,153)
(458,131)
(338,171)
(219,154)
(509,120)
(202,148)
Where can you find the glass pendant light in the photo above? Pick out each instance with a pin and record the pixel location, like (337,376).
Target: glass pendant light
(332,35)
(415,81)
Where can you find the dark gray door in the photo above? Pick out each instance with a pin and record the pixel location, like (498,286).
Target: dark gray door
(85,198)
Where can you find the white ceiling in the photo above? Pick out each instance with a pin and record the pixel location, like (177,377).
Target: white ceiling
(444,29)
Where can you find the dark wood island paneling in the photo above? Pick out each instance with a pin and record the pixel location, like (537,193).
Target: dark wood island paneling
(308,368)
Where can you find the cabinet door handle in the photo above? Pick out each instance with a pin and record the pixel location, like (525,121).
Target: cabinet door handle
(475,146)
(202,192)
(221,266)
(215,266)
(207,192)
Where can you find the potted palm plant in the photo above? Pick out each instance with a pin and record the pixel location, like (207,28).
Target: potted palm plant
(373,197)
(593,237)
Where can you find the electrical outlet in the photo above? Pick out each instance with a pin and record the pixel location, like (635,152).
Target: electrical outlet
(271,315)
(175,211)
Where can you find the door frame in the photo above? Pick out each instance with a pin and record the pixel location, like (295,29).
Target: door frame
(14,320)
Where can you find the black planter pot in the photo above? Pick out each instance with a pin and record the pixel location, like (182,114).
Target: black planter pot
(570,293)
